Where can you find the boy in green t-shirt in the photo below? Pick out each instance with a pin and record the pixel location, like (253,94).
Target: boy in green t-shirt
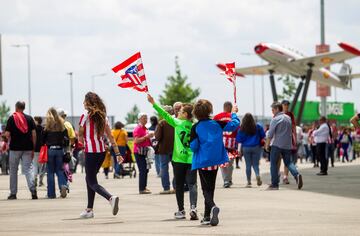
(182,157)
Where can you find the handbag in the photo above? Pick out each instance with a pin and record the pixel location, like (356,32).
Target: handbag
(43,155)
(66,157)
(262,140)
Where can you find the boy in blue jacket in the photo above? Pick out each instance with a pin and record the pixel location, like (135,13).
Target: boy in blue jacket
(206,142)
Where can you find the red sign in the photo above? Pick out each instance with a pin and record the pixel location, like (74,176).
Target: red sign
(322,90)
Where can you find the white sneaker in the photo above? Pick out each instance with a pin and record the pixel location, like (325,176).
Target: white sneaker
(193,213)
(87,214)
(179,215)
(114,202)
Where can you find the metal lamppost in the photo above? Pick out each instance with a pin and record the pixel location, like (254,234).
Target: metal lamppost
(71,97)
(29,72)
(93,80)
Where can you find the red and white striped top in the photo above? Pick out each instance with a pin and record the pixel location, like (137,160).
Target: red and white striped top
(210,168)
(229,138)
(93,143)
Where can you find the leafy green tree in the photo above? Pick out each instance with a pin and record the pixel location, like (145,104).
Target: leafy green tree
(131,116)
(4,112)
(289,87)
(177,90)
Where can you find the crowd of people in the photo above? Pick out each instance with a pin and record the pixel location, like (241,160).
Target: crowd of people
(186,138)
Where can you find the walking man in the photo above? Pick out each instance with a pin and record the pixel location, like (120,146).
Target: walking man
(279,138)
(20,129)
(321,136)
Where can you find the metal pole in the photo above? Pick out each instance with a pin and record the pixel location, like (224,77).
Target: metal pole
(273,86)
(298,90)
(303,98)
(29,77)
(322,25)
(262,94)
(322,15)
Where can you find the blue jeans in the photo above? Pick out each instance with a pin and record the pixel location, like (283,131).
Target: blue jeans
(143,171)
(157,164)
(252,158)
(274,157)
(118,167)
(164,171)
(55,166)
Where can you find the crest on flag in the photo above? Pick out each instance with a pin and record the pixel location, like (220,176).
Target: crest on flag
(132,74)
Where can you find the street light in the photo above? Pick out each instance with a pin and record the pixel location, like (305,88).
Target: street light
(71,97)
(29,72)
(93,80)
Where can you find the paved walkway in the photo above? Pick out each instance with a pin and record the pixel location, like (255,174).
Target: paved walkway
(328,205)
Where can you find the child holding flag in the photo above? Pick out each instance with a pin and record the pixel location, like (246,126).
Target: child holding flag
(182,157)
(207,145)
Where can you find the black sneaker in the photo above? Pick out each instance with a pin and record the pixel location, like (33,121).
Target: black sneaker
(214,219)
(299,181)
(12,197)
(34,195)
(226,185)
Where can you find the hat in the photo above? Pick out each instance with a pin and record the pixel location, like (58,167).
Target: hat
(61,112)
(141,114)
(285,102)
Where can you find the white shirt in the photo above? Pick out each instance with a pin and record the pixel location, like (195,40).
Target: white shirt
(322,134)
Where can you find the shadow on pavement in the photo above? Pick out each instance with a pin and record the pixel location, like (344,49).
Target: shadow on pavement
(343,181)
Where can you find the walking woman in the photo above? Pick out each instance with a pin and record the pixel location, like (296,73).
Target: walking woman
(56,138)
(345,140)
(141,144)
(93,126)
(250,136)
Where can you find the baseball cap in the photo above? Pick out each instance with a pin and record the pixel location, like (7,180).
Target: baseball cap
(61,112)
(285,102)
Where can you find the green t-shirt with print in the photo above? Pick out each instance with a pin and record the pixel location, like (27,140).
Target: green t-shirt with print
(182,152)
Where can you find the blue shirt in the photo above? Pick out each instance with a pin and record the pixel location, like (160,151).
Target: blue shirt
(280,131)
(207,142)
(250,140)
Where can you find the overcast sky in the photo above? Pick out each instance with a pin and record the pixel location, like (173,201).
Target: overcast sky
(90,37)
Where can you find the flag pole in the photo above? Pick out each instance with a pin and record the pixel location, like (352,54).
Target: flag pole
(234,85)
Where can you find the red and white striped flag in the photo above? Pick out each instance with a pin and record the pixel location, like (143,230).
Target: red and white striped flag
(229,70)
(132,74)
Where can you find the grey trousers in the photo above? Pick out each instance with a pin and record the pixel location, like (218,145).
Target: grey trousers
(39,169)
(228,171)
(27,169)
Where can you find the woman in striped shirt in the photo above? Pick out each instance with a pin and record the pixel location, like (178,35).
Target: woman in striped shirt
(93,126)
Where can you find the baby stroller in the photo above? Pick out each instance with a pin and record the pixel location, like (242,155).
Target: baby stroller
(128,165)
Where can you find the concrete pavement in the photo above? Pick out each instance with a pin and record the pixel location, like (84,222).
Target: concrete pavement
(328,205)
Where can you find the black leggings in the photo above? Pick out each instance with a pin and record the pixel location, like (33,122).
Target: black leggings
(93,163)
(183,174)
(208,181)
